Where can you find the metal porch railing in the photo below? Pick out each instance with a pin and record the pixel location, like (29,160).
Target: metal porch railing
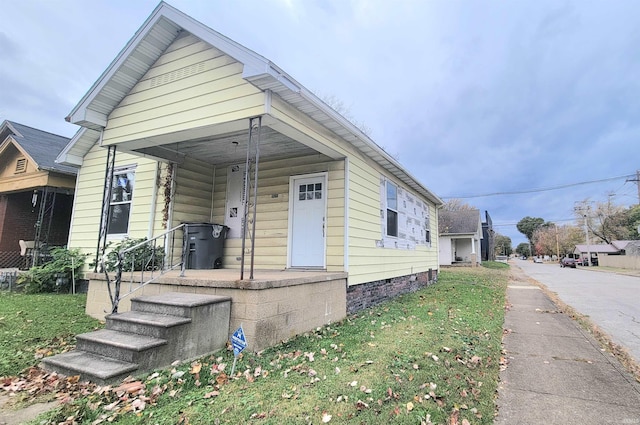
(145,262)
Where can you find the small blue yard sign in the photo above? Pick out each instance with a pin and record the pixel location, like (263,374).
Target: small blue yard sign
(239,341)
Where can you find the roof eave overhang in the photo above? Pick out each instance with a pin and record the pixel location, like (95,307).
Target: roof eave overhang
(79,145)
(299,97)
(90,113)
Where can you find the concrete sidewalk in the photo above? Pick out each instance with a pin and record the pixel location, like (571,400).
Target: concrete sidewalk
(557,373)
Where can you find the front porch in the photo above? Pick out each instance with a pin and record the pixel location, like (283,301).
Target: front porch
(274,306)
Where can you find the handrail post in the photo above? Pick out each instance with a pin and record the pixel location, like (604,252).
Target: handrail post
(114,290)
(185,239)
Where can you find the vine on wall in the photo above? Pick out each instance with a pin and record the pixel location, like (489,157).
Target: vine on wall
(167,186)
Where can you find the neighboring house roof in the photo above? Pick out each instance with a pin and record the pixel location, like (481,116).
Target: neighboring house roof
(633,248)
(459,222)
(149,43)
(598,248)
(620,245)
(41,146)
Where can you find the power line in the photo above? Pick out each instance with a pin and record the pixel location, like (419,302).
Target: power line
(546,189)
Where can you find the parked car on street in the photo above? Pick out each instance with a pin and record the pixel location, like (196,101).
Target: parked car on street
(568,262)
(538,260)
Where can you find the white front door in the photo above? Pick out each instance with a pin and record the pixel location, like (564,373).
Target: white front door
(307,230)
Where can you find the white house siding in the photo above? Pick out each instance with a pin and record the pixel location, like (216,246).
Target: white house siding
(273,211)
(191,85)
(446,252)
(85,225)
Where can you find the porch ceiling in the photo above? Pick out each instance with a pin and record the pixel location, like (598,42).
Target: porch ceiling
(229,148)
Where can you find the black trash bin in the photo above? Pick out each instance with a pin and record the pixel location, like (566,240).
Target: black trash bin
(205,245)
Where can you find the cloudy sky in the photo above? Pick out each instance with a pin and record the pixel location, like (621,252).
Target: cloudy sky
(474,97)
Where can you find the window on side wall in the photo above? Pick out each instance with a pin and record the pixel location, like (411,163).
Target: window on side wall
(428,231)
(120,201)
(392,209)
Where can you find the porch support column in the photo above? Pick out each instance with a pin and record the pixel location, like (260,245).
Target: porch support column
(474,255)
(106,200)
(253,156)
(35,255)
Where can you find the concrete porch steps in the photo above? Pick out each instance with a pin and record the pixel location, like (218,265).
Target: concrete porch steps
(93,367)
(159,330)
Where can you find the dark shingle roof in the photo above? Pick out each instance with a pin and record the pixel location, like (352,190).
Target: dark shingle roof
(457,222)
(42,146)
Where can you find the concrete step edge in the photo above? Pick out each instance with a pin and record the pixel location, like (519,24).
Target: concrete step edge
(149,319)
(89,364)
(120,339)
(180,299)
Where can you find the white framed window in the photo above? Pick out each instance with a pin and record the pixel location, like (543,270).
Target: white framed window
(120,200)
(428,231)
(404,217)
(392,209)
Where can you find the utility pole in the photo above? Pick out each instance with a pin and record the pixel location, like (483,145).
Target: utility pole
(583,210)
(586,231)
(638,183)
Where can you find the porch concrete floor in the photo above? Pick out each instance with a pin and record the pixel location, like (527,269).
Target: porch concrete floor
(230,278)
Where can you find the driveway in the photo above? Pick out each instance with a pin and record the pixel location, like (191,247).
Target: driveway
(612,301)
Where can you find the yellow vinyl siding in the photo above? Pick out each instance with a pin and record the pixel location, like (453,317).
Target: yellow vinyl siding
(273,211)
(193,191)
(85,226)
(367,262)
(191,85)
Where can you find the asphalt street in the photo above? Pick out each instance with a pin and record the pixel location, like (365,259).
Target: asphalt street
(611,300)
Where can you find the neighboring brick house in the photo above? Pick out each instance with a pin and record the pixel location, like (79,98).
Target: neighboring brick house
(36,194)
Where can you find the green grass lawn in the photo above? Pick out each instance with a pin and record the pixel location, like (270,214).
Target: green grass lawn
(428,357)
(33,326)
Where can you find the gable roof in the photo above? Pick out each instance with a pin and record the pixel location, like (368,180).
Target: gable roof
(41,146)
(620,245)
(603,248)
(149,43)
(459,222)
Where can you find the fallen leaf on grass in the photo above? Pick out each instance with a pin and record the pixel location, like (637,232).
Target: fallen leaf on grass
(326,418)
(138,405)
(130,388)
(361,405)
(213,393)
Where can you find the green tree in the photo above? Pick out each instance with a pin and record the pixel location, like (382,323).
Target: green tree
(502,244)
(528,226)
(609,222)
(633,221)
(522,248)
